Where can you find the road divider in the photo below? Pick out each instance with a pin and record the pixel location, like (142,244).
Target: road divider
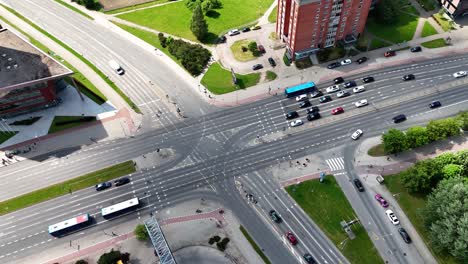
(254,245)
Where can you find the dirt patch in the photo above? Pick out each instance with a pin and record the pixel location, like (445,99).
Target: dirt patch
(115,4)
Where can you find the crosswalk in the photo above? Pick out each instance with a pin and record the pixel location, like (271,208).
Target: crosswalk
(335,164)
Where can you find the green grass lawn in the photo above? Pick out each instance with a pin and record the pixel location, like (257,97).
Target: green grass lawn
(240,55)
(436,43)
(443,22)
(129,8)
(254,245)
(273,15)
(377,44)
(270,76)
(376,151)
(411,9)
(74,121)
(327,205)
(175,18)
(66,187)
(412,205)
(428,30)
(4,136)
(219,80)
(402,30)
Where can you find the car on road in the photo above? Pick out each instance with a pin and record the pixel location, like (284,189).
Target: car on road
(333,65)
(221,39)
(256,27)
(291,238)
(325,99)
(246,29)
(416,49)
(361,103)
(435,104)
(368,79)
(341,94)
(275,216)
(332,89)
(337,110)
(359,89)
(102,186)
(392,217)
(357,134)
(309,259)
(272,62)
(316,94)
(301,97)
(296,123)
(121,181)
(408,77)
(304,104)
(257,67)
(345,62)
(292,115)
(361,60)
(399,118)
(390,53)
(313,109)
(460,74)
(358,185)
(381,200)
(313,116)
(338,80)
(404,235)
(261,49)
(233,32)
(349,84)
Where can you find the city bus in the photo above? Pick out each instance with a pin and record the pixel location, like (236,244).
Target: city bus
(69,225)
(304,88)
(120,208)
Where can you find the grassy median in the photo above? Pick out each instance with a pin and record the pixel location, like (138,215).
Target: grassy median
(66,187)
(254,245)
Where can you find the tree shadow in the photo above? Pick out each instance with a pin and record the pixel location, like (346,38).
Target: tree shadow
(210,38)
(212,14)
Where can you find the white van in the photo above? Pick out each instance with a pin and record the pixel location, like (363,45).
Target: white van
(116,67)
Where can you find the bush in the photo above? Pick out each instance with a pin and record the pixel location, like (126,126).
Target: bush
(81,261)
(462,120)
(113,257)
(422,177)
(303,63)
(89,4)
(141,233)
(193,57)
(162,40)
(214,239)
(26,122)
(223,244)
(394,141)
(253,47)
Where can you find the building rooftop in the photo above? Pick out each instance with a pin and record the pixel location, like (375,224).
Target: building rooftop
(22,64)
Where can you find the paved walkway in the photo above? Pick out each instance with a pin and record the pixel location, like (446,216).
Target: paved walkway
(264,19)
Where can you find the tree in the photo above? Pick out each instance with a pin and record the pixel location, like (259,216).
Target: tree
(394,141)
(445,216)
(462,120)
(198,25)
(387,11)
(141,233)
(416,137)
(462,160)
(208,5)
(162,39)
(253,46)
(443,128)
(452,170)
(81,261)
(110,257)
(446,159)
(422,177)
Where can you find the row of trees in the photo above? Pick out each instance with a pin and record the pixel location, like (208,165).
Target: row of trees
(206,5)
(395,141)
(193,57)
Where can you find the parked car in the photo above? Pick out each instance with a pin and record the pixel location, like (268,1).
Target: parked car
(408,77)
(390,53)
(316,94)
(460,74)
(102,186)
(435,104)
(368,79)
(332,89)
(121,181)
(246,29)
(342,94)
(361,103)
(261,48)
(309,259)
(257,67)
(404,235)
(325,99)
(313,109)
(381,200)
(272,62)
(296,123)
(304,104)
(399,118)
(359,89)
(301,97)
(221,39)
(275,216)
(416,49)
(349,84)
(358,185)
(313,116)
(337,110)
(333,65)
(361,60)
(345,62)
(292,115)
(291,238)
(338,80)
(256,27)
(392,217)
(233,32)
(357,134)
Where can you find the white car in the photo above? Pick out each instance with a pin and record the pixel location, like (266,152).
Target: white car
(233,32)
(392,217)
(357,134)
(296,123)
(301,97)
(361,103)
(359,89)
(333,88)
(345,62)
(460,74)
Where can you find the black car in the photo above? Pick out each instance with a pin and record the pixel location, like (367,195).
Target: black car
(272,62)
(309,259)
(292,115)
(325,99)
(358,185)
(349,84)
(313,116)
(399,118)
(246,29)
(404,235)
(416,49)
(305,103)
(275,216)
(257,67)
(368,79)
(122,181)
(316,94)
(221,39)
(334,65)
(338,80)
(435,104)
(313,109)
(361,60)
(408,77)
(103,186)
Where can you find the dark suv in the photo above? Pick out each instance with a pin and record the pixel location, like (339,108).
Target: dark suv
(408,77)
(309,259)
(257,67)
(404,235)
(316,94)
(275,216)
(368,79)
(305,103)
(358,185)
(399,118)
(325,99)
(435,104)
(122,181)
(349,84)
(103,186)
(313,116)
(291,115)
(272,62)
(338,80)
(313,109)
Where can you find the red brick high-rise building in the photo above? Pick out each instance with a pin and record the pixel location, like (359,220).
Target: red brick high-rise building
(307,26)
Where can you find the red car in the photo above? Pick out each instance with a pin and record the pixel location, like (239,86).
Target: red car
(292,238)
(261,48)
(337,110)
(381,200)
(390,53)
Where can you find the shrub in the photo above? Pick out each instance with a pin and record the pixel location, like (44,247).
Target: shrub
(193,57)
(113,257)
(141,233)
(253,47)
(81,261)
(162,39)
(89,4)
(217,238)
(222,244)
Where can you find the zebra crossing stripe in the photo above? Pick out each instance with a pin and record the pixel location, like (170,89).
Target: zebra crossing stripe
(335,163)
